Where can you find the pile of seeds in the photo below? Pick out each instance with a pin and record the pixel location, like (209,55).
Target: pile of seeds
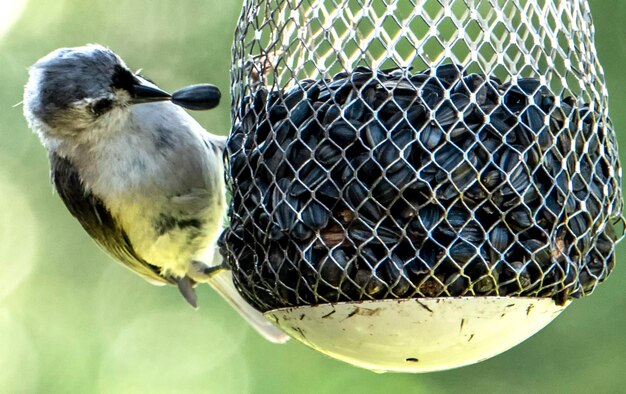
(440,183)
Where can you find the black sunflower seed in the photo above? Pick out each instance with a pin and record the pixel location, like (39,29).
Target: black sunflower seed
(197,97)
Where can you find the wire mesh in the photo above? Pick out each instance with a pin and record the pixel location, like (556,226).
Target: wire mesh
(419,148)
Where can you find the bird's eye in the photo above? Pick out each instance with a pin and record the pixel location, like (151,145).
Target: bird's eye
(101,106)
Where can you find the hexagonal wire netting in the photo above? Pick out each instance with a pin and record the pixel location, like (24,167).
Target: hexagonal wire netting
(419,148)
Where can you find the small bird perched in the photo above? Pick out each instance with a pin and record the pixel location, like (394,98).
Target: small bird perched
(143,178)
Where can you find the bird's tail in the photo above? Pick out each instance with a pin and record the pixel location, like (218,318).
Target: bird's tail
(222,282)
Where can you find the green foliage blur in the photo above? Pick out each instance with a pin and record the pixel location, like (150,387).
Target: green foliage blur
(71,321)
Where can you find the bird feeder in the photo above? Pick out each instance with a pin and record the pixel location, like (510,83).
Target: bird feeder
(419,184)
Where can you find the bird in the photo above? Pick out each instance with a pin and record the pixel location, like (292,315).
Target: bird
(141,175)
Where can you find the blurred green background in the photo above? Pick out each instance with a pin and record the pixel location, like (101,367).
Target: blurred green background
(72,321)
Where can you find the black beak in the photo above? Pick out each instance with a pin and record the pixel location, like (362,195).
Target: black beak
(144,92)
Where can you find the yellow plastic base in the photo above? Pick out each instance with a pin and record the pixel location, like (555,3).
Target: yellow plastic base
(417,335)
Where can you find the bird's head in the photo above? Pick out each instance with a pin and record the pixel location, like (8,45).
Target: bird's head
(71,90)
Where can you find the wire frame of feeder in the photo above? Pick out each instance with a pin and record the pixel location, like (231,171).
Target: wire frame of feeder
(419,149)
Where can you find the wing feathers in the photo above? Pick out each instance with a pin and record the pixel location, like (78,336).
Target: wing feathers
(97,220)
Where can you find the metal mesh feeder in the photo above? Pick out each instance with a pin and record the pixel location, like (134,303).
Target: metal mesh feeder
(419,185)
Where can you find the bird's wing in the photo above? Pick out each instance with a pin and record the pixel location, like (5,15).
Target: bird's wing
(97,220)
(217,141)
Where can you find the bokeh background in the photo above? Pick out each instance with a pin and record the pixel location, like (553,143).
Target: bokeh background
(73,321)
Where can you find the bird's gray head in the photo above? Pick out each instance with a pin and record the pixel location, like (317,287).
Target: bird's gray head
(71,90)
